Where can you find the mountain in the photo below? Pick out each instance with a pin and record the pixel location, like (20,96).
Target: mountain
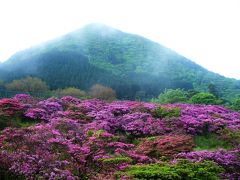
(130,64)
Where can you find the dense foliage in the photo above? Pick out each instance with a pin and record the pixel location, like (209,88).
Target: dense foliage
(204,98)
(182,170)
(211,141)
(69,138)
(191,96)
(133,66)
(70,91)
(165,146)
(102,92)
(172,96)
(236,104)
(1,84)
(28,84)
(229,160)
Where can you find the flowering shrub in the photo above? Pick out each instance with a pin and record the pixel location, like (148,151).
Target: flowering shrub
(142,124)
(22,97)
(37,114)
(167,145)
(59,150)
(51,105)
(10,107)
(199,119)
(44,110)
(140,107)
(93,139)
(10,112)
(136,124)
(41,154)
(229,160)
(26,100)
(70,100)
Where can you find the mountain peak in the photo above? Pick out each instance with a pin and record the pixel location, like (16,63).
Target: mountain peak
(97,25)
(103,29)
(128,63)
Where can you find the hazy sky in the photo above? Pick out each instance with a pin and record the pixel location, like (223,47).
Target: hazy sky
(206,31)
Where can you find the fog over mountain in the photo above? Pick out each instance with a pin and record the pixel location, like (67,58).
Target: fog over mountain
(207,32)
(128,63)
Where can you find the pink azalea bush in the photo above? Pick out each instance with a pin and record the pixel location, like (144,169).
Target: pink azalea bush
(229,160)
(165,146)
(199,119)
(10,107)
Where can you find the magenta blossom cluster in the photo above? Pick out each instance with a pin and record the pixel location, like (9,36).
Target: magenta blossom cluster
(22,97)
(229,160)
(198,119)
(10,107)
(44,110)
(59,150)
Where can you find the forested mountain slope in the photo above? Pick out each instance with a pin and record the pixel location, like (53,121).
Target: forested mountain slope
(128,63)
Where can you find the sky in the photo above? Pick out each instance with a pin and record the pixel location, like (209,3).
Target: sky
(205,31)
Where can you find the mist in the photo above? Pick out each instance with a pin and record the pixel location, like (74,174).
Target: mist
(198,30)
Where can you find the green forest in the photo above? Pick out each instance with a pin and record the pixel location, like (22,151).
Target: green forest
(131,65)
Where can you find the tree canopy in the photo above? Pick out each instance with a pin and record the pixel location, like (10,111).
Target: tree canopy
(172,96)
(28,84)
(102,92)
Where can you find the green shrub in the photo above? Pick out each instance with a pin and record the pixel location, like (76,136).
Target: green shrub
(161,112)
(182,170)
(5,174)
(17,122)
(172,96)
(116,160)
(70,91)
(102,92)
(230,136)
(28,84)
(204,98)
(210,142)
(236,104)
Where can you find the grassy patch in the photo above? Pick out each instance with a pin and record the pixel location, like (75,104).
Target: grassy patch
(210,142)
(27,124)
(16,122)
(162,112)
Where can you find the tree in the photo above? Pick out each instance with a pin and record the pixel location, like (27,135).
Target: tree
(204,98)
(191,93)
(172,96)
(140,95)
(1,84)
(71,91)
(102,92)
(236,104)
(213,90)
(28,84)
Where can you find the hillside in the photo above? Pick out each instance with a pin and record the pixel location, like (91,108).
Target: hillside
(75,139)
(128,63)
